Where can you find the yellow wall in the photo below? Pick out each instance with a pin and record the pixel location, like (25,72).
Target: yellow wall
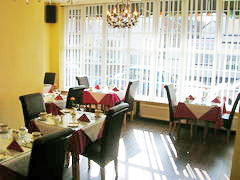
(56,43)
(24,55)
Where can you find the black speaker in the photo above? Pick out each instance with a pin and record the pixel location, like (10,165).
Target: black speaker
(50,13)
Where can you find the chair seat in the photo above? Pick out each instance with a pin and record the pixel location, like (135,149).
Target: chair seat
(93,151)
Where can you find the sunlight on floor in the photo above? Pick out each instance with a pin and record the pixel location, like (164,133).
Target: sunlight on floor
(143,160)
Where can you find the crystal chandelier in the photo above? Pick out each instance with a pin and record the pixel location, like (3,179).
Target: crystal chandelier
(121,15)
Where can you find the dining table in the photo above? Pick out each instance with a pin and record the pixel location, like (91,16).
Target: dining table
(87,126)
(206,112)
(9,156)
(107,97)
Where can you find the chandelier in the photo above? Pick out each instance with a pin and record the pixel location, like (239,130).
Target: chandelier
(121,15)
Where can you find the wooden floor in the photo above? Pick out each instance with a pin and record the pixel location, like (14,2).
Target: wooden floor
(148,152)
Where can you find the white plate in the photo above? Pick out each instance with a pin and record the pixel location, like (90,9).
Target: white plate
(66,111)
(73,124)
(42,119)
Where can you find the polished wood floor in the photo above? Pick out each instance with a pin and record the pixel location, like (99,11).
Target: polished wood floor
(148,152)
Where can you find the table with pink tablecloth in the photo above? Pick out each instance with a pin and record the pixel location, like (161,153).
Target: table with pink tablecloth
(199,112)
(85,132)
(109,99)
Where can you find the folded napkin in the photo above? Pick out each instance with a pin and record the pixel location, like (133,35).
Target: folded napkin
(15,146)
(59,97)
(190,97)
(216,100)
(115,89)
(97,87)
(83,118)
(50,91)
(53,108)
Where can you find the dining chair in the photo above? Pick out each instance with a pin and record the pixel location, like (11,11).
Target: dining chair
(49,78)
(172,103)
(77,93)
(83,81)
(105,149)
(129,98)
(47,158)
(228,118)
(32,106)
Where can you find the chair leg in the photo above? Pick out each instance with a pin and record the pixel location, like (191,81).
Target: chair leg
(102,169)
(179,129)
(132,116)
(228,135)
(170,126)
(205,131)
(116,166)
(89,164)
(174,126)
(191,130)
(125,121)
(68,156)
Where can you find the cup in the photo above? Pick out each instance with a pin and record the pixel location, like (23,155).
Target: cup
(22,131)
(3,127)
(15,134)
(43,115)
(36,135)
(97,113)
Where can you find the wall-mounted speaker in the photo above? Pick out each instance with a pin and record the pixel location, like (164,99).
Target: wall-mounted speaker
(50,13)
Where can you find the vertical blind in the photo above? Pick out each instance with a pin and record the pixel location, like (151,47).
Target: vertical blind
(193,44)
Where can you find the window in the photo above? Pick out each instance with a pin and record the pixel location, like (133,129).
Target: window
(191,44)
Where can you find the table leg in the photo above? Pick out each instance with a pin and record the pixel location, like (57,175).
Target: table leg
(205,131)
(75,166)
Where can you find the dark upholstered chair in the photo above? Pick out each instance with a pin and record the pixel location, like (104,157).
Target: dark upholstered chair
(172,103)
(130,95)
(228,118)
(49,78)
(105,149)
(47,157)
(32,105)
(83,81)
(77,93)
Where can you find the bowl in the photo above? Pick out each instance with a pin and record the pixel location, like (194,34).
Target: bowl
(3,127)
(43,116)
(36,135)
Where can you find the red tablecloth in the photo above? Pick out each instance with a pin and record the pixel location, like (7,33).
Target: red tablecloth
(199,112)
(85,134)
(108,99)
(79,140)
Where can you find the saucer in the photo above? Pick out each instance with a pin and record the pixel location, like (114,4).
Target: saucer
(66,111)
(42,119)
(4,131)
(73,124)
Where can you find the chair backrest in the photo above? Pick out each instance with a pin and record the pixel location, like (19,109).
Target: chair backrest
(32,105)
(172,100)
(130,93)
(49,78)
(77,93)
(83,81)
(112,131)
(229,122)
(48,156)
